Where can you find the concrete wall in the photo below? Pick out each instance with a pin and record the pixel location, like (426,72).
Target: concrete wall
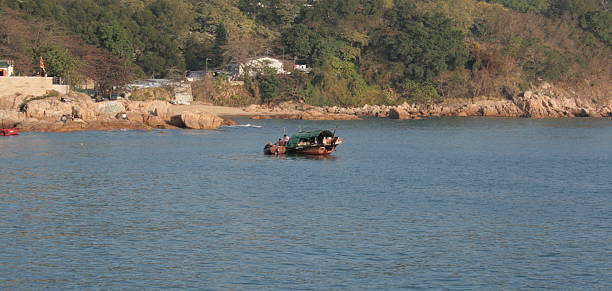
(64,89)
(35,86)
(182,93)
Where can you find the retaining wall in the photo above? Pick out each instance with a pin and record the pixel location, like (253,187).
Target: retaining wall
(35,86)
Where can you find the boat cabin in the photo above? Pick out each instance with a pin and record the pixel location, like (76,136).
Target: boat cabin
(311,138)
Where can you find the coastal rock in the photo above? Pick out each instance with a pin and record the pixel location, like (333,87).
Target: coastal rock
(498,108)
(309,116)
(84,111)
(595,114)
(135,116)
(383,113)
(49,108)
(228,122)
(323,116)
(543,106)
(33,124)
(109,108)
(473,110)
(9,118)
(253,108)
(399,113)
(157,108)
(12,102)
(154,121)
(201,120)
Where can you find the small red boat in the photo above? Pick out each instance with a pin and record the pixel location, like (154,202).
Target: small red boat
(9,131)
(319,142)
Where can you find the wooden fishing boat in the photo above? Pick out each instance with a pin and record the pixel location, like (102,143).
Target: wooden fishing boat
(318,142)
(9,131)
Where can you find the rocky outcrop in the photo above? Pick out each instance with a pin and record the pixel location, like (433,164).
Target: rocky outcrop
(13,102)
(309,116)
(530,104)
(79,112)
(157,108)
(10,118)
(539,105)
(109,108)
(201,120)
(299,111)
(399,113)
(50,108)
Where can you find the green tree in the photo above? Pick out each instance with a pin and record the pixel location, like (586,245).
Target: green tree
(527,6)
(217,57)
(426,44)
(58,61)
(600,24)
(269,85)
(117,40)
(298,40)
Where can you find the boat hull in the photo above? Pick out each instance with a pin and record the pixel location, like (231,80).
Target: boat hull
(312,150)
(9,131)
(272,149)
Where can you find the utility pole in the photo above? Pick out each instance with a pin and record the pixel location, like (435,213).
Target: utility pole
(206,68)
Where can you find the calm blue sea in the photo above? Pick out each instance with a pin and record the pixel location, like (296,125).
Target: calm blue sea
(440,203)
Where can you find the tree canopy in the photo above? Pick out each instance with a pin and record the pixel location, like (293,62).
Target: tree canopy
(360,51)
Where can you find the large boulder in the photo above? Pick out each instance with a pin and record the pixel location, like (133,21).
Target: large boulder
(201,120)
(157,108)
(109,108)
(154,121)
(399,113)
(85,111)
(135,116)
(48,108)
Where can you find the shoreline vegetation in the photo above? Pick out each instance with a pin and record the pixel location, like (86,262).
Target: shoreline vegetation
(56,112)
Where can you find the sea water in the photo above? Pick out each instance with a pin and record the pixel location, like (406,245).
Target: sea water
(440,203)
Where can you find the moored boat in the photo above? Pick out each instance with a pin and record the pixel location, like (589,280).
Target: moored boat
(9,131)
(318,142)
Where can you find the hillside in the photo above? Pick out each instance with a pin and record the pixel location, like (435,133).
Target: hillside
(374,52)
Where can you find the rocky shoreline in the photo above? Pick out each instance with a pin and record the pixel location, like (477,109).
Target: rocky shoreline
(543,103)
(76,111)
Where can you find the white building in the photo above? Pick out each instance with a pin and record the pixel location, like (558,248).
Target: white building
(253,65)
(6,68)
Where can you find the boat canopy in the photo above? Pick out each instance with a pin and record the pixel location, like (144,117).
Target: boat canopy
(295,139)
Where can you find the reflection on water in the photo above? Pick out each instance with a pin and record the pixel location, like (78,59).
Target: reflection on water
(442,203)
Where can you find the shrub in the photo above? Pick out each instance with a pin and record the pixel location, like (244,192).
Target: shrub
(146,94)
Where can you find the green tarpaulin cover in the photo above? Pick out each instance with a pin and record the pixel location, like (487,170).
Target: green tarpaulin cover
(293,141)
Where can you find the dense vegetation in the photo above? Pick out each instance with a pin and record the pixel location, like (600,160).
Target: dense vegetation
(361,51)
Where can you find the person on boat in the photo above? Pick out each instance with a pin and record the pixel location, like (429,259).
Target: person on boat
(286,139)
(280,142)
